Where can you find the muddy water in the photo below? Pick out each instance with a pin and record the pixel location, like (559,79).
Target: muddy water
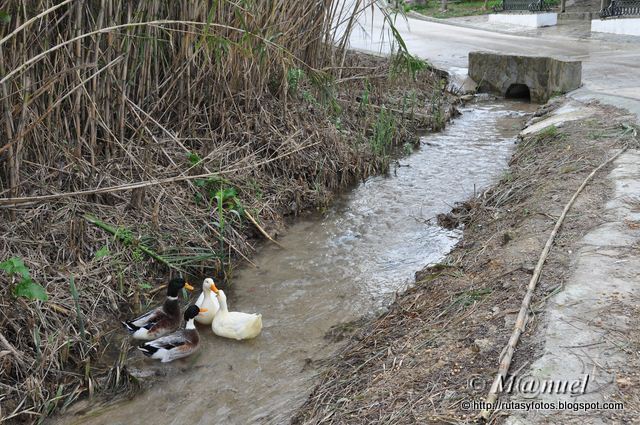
(337,267)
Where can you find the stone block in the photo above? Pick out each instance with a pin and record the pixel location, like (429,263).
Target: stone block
(509,74)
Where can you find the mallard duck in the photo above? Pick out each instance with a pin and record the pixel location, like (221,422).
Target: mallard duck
(178,344)
(208,301)
(163,319)
(234,325)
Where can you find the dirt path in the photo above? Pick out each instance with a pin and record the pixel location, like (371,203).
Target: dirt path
(437,348)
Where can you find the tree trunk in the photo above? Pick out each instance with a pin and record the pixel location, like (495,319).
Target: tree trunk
(443,6)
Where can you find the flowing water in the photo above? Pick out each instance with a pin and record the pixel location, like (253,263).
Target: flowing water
(337,267)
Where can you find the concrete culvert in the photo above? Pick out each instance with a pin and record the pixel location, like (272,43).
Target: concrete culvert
(545,76)
(518,91)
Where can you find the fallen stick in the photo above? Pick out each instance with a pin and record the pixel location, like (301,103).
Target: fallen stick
(266,235)
(507,356)
(17,354)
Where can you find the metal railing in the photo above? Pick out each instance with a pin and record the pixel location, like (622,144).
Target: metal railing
(621,8)
(522,5)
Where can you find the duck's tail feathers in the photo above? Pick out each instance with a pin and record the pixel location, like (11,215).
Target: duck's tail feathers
(130,327)
(148,350)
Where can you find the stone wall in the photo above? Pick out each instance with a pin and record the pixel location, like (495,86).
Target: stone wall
(544,76)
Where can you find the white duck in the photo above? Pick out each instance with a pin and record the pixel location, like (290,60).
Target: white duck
(207,301)
(233,324)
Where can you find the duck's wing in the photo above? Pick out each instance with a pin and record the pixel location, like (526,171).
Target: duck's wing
(167,348)
(175,340)
(238,322)
(147,320)
(200,299)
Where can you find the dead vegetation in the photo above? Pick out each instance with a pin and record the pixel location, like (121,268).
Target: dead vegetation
(414,364)
(148,138)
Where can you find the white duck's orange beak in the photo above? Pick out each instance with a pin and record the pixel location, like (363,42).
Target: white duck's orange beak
(213,288)
(203,310)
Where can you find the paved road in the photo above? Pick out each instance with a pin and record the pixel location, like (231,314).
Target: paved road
(611,64)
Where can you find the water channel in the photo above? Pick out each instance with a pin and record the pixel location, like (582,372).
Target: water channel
(337,267)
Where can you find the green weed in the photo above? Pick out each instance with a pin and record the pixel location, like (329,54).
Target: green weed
(101,253)
(194,158)
(383,131)
(210,186)
(408,64)
(76,301)
(26,286)
(227,201)
(468,298)
(294,77)
(548,132)
(407,148)
(364,99)
(141,246)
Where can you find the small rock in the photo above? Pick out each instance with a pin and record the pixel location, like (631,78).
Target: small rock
(142,373)
(483,345)
(623,382)
(510,320)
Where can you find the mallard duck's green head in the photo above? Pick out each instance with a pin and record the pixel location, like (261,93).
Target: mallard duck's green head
(175,285)
(192,311)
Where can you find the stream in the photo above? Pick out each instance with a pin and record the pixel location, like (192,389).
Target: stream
(338,266)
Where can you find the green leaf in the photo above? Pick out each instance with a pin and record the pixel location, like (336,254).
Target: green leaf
(11,264)
(145,285)
(5,18)
(76,301)
(15,265)
(101,253)
(27,288)
(194,158)
(224,195)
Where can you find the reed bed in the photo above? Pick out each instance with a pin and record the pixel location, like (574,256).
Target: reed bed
(144,139)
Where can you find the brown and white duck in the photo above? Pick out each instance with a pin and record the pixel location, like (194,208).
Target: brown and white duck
(161,320)
(178,344)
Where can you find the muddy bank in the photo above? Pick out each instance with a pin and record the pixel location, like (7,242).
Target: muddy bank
(413,364)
